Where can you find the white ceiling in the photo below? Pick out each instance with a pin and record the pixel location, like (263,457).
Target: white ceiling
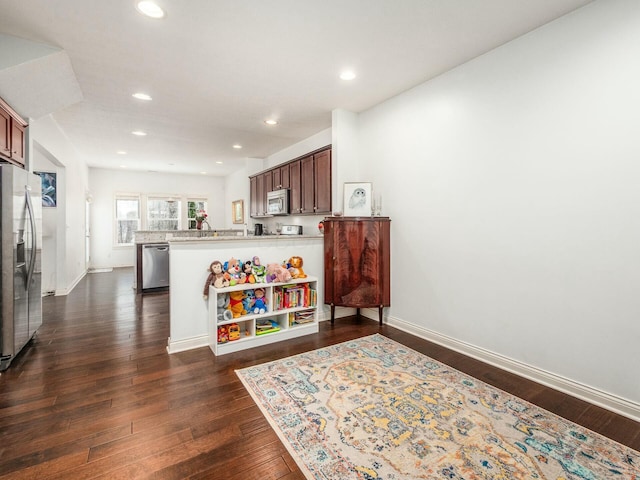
(217,68)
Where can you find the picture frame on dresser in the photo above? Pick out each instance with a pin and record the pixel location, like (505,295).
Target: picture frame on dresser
(237,211)
(357,199)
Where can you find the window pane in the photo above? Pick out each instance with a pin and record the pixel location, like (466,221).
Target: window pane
(127,208)
(193,207)
(127,219)
(163,214)
(126,230)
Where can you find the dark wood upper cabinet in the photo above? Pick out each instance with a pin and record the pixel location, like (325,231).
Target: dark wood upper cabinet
(253,193)
(308,179)
(17,142)
(259,185)
(281,177)
(322,181)
(12,135)
(307,185)
(295,188)
(357,263)
(5,133)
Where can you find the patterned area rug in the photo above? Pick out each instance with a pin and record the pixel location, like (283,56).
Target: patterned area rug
(372,408)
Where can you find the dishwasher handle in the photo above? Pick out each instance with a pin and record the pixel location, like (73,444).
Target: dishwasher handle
(160,248)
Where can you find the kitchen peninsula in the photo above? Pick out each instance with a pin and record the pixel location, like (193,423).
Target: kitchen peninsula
(189,262)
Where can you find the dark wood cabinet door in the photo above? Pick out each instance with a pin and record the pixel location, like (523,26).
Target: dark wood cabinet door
(357,262)
(308,185)
(322,181)
(276,177)
(261,196)
(268,187)
(17,142)
(5,133)
(284,176)
(253,196)
(295,188)
(280,177)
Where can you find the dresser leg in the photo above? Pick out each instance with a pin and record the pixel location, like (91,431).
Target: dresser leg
(380,308)
(333,312)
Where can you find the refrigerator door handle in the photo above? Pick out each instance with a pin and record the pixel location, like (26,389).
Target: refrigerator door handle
(34,236)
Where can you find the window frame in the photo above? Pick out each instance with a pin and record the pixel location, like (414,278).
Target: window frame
(116,220)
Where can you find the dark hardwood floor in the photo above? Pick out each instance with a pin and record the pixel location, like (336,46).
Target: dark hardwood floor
(96,395)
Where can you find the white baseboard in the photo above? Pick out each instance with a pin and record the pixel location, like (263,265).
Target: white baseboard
(68,289)
(187,344)
(589,394)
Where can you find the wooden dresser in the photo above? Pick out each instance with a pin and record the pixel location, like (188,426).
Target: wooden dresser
(357,263)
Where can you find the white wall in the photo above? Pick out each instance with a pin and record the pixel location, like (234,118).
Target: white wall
(512,185)
(237,188)
(105,184)
(49,145)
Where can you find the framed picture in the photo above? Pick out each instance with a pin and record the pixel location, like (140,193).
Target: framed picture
(357,199)
(49,192)
(237,211)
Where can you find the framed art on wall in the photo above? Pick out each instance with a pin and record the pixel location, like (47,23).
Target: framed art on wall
(49,192)
(237,211)
(357,199)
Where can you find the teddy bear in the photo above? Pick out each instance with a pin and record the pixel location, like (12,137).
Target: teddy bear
(235,304)
(258,270)
(223,312)
(295,267)
(215,278)
(259,301)
(232,272)
(277,273)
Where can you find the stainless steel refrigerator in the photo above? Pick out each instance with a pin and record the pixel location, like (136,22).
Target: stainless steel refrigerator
(20,259)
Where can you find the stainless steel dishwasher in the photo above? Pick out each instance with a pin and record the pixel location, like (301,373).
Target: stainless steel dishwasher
(155,265)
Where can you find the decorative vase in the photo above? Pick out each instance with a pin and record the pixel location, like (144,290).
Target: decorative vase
(198,224)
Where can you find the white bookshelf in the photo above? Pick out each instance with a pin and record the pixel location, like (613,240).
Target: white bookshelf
(247,323)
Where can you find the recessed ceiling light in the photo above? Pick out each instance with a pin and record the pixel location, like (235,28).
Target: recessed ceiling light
(219,162)
(271,122)
(123,166)
(237,146)
(150,9)
(348,75)
(141,96)
(203,173)
(139,133)
(121,152)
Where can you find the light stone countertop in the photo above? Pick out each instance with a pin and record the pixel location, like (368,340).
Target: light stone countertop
(227,238)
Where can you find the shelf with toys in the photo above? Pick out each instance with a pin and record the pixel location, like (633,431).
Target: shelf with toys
(259,309)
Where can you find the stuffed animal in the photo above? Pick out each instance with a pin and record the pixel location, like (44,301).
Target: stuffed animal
(215,278)
(259,302)
(277,273)
(247,268)
(235,304)
(259,271)
(249,296)
(223,334)
(223,313)
(232,271)
(295,267)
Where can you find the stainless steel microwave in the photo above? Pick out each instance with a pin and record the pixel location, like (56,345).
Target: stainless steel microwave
(278,202)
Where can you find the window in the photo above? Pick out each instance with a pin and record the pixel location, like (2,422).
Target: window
(127,219)
(163,214)
(193,206)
